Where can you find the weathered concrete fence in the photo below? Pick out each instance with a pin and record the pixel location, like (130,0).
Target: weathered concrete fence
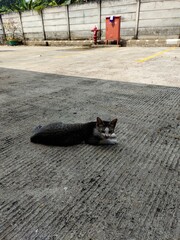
(141,19)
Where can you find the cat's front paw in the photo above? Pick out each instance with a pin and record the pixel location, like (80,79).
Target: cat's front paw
(109,141)
(113,141)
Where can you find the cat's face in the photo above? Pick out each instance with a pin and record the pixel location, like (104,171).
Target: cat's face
(106,128)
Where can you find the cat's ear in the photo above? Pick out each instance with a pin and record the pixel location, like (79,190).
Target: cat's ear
(113,122)
(99,121)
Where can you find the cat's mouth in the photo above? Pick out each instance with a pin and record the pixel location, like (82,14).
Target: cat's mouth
(106,136)
(113,135)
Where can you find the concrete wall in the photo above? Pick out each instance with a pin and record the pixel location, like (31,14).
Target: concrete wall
(159,19)
(124,8)
(56,23)
(153,19)
(32,25)
(82,19)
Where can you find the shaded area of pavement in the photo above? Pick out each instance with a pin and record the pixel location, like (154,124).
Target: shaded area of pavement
(128,191)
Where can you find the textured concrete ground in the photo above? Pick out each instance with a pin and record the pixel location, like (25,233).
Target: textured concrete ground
(124,192)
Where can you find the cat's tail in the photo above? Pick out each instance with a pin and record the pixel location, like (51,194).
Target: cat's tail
(36,129)
(34,137)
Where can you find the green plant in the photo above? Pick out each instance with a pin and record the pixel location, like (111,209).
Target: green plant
(22,5)
(38,5)
(4,10)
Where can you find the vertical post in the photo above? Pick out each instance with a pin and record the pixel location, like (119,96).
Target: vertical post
(68,22)
(3,30)
(100,9)
(20,16)
(137,19)
(43,28)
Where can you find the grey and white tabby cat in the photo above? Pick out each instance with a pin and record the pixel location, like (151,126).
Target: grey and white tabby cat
(60,134)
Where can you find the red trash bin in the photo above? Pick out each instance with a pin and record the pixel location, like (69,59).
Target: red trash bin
(113,29)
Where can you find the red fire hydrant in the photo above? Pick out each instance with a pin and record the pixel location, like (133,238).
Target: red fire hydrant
(95,31)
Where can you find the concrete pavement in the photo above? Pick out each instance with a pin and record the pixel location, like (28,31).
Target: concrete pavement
(124,192)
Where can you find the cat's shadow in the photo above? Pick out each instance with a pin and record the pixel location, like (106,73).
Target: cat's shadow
(113,148)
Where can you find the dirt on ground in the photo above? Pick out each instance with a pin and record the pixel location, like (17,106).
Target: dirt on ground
(128,191)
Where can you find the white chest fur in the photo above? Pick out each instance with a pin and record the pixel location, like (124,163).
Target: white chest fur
(111,140)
